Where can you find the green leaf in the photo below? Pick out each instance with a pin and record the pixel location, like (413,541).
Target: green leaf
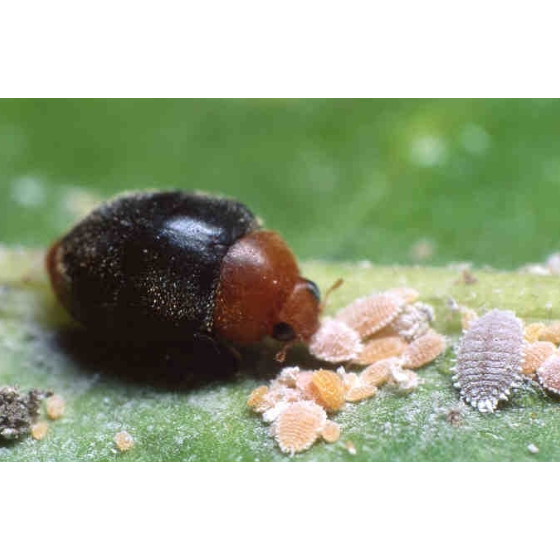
(211,421)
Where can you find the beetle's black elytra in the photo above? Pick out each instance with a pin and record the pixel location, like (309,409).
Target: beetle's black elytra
(165,265)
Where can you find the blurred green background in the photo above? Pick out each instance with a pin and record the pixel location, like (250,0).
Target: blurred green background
(394,181)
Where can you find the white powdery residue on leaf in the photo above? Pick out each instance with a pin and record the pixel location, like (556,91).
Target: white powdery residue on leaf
(532,448)
(335,342)
(489,359)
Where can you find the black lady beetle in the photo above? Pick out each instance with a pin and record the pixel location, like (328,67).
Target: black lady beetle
(171,265)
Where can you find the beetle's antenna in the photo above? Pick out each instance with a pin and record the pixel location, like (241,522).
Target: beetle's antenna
(334,287)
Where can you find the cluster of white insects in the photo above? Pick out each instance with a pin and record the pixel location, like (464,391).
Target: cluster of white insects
(387,334)
(390,335)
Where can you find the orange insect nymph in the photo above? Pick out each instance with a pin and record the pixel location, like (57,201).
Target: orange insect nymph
(424,350)
(328,389)
(370,314)
(298,426)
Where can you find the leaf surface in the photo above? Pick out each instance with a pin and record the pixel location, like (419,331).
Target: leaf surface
(210,421)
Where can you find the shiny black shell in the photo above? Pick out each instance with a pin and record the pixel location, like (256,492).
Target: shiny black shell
(148,265)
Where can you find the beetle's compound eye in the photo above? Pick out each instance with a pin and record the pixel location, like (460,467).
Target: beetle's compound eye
(314,289)
(283,332)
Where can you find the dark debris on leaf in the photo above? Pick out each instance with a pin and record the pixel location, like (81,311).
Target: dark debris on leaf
(18,411)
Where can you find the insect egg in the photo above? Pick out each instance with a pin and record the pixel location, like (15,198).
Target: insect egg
(124,441)
(55,407)
(330,432)
(39,430)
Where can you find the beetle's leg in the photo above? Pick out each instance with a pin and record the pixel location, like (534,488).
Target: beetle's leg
(222,350)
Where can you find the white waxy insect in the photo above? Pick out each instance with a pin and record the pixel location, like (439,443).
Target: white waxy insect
(405,380)
(288,376)
(548,374)
(273,413)
(414,321)
(489,359)
(370,314)
(335,342)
